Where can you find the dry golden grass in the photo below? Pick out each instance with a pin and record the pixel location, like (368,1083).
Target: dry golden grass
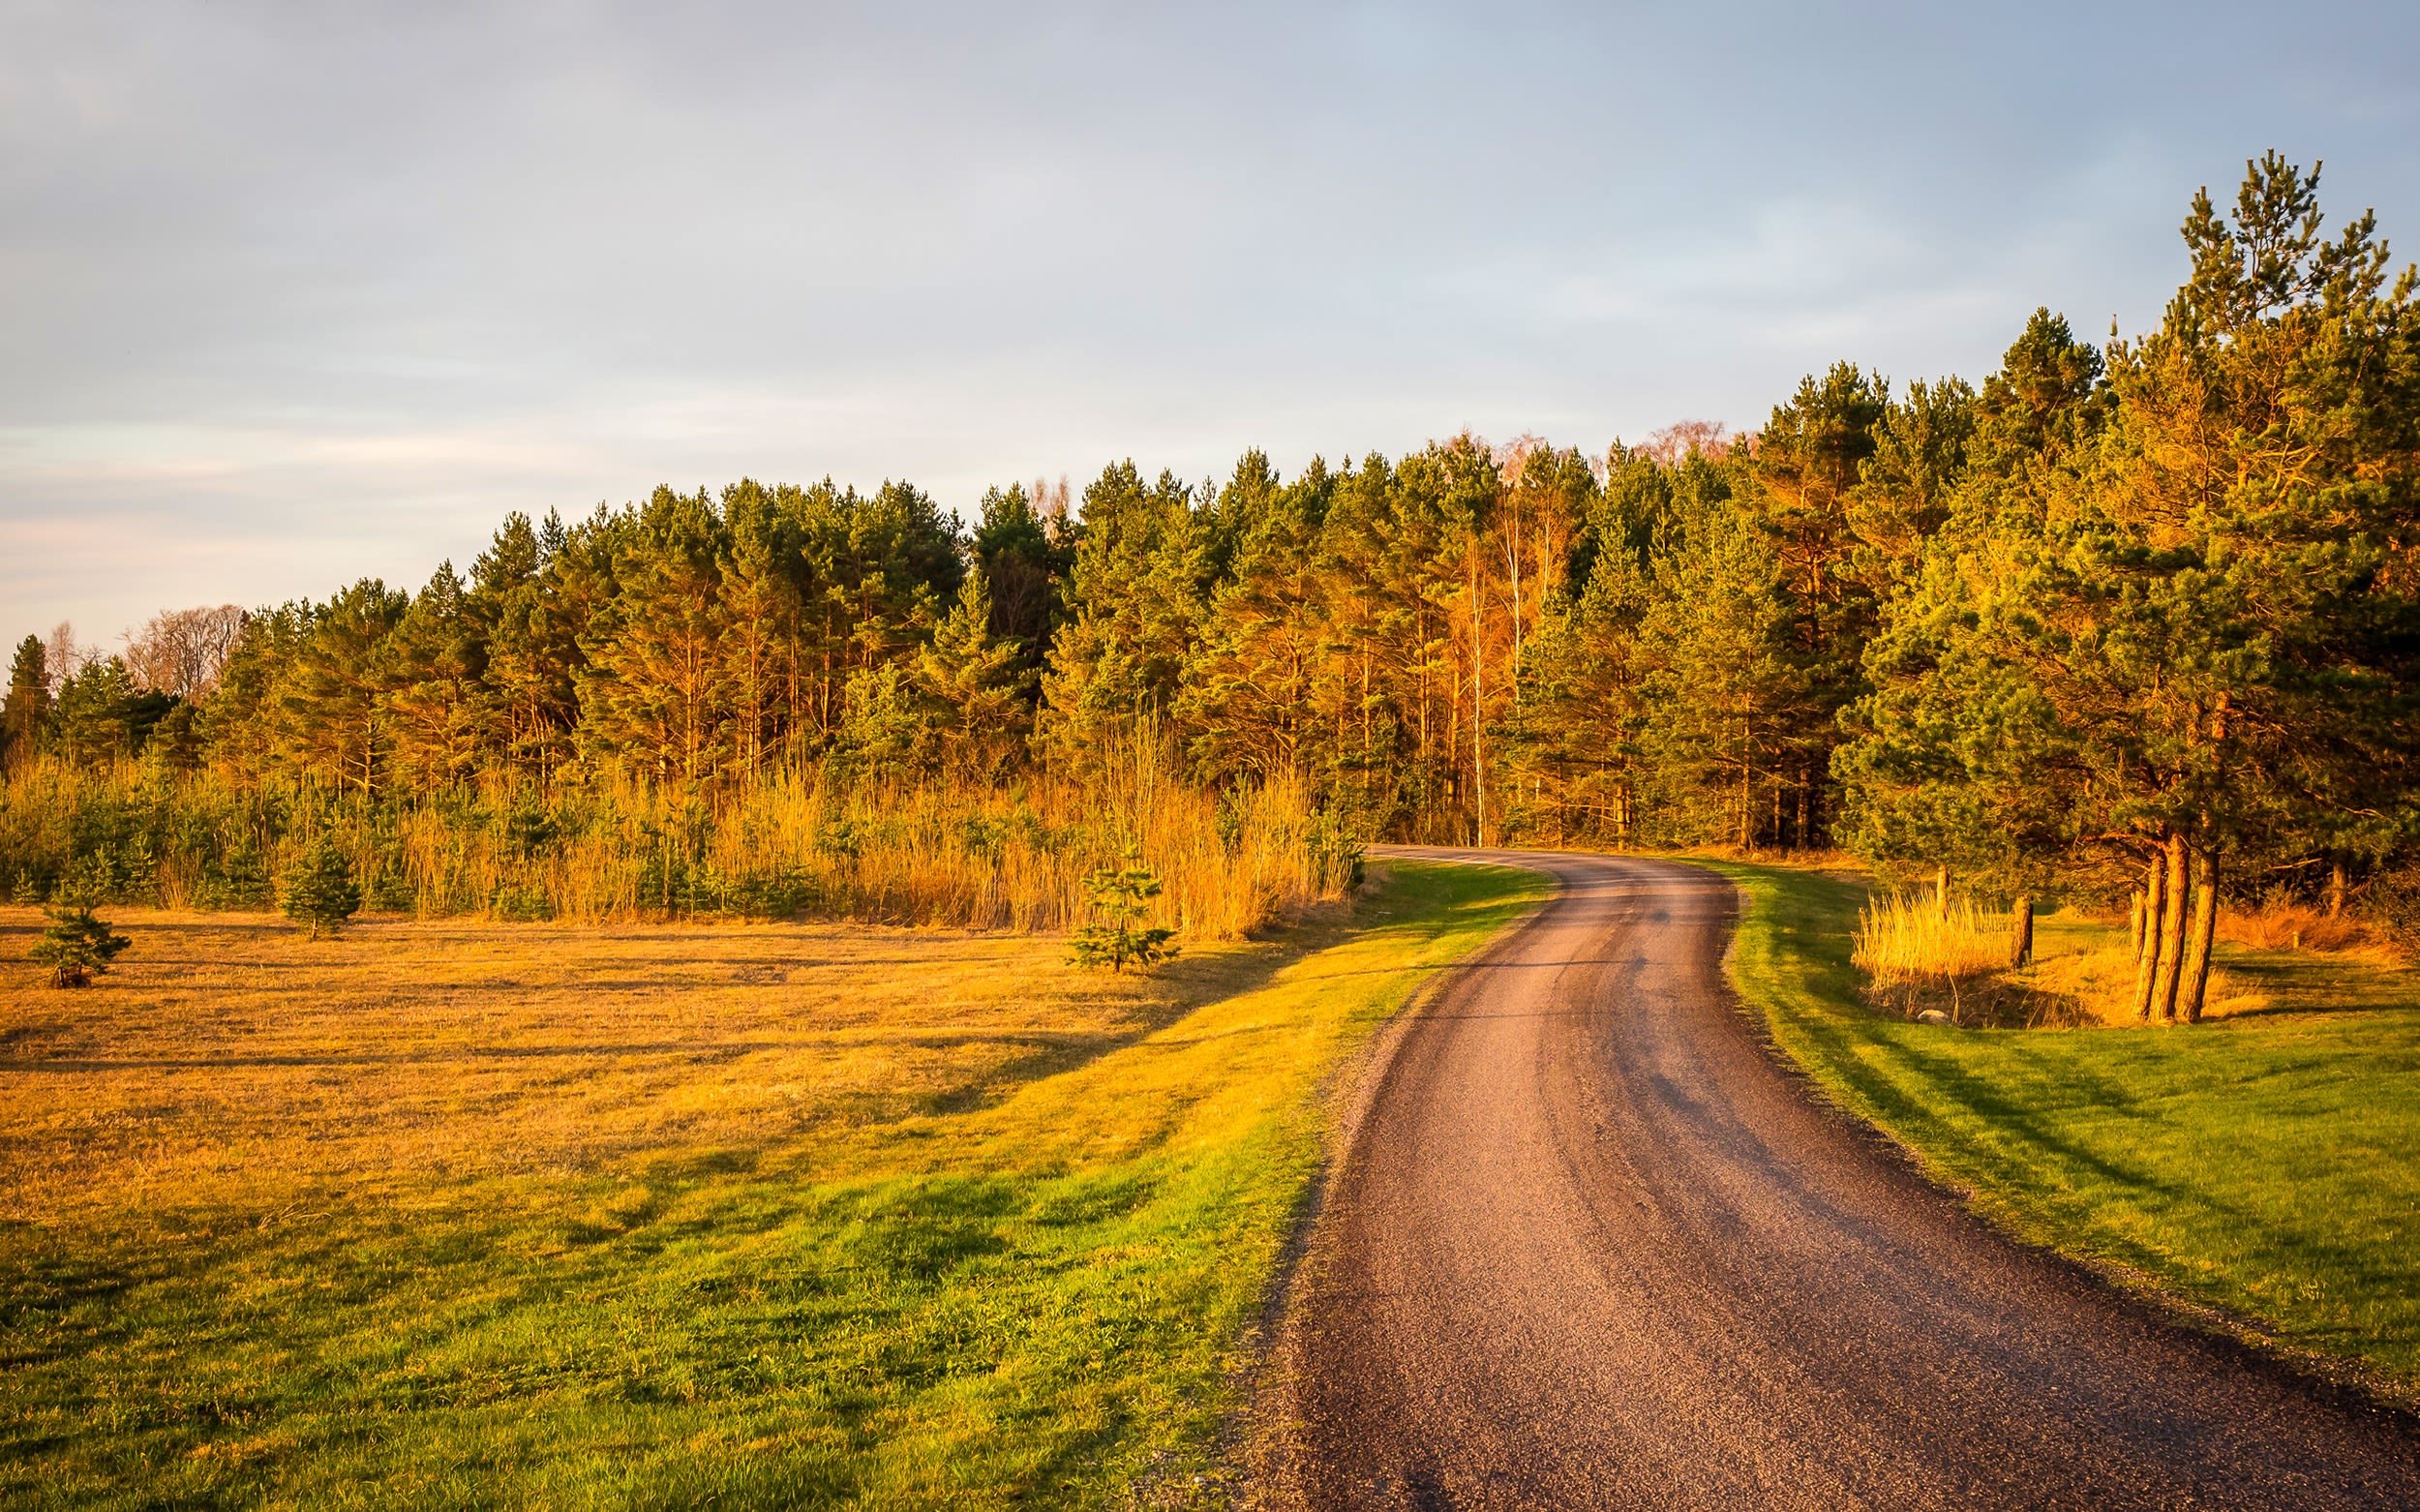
(790,844)
(446,1214)
(228,1062)
(2295,926)
(1916,954)
(2084,977)
(1908,940)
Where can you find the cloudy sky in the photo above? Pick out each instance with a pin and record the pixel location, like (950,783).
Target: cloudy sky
(291,293)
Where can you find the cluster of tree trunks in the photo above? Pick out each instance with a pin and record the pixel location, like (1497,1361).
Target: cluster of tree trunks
(2175,916)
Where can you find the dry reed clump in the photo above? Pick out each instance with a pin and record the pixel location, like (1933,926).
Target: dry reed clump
(1919,953)
(1904,940)
(797,844)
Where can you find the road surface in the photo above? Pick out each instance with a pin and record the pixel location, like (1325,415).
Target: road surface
(1587,1246)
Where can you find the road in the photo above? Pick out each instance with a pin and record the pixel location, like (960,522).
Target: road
(1587,1246)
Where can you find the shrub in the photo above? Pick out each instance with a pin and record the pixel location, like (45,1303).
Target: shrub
(76,946)
(320,889)
(1121,897)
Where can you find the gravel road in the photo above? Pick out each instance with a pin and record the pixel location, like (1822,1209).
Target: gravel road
(1588,1247)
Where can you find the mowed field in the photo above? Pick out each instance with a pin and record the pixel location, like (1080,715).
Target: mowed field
(453,1214)
(2265,1165)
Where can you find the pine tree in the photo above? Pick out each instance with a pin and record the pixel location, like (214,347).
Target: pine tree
(76,946)
(655,695)
(328,717)
(1248,704)
(434,697)
(1134,595)
(26,714)
(319,891)
(759,589)
(102,716)
(521,603)
(1025,564)
(1121,899)
(1953,759)
(973,681)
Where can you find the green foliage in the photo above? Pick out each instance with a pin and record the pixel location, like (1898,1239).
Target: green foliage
(76,946)
(2169,622)
(319,889)
(103,715)
(2034,629)
(1121,900)
(26,714)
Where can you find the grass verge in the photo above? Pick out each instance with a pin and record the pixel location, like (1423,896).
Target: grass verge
(522,1216)
(2266,1165)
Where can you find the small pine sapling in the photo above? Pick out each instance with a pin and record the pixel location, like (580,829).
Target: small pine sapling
(320,889)
(76,946)
(1121,896)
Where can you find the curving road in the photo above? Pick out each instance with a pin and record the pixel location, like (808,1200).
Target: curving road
(1588,1247)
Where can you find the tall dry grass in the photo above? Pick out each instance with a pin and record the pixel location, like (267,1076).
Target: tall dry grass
(1913,940)
(809,842)
(2280,923)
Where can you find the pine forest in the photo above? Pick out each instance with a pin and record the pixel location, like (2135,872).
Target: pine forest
(2129,622)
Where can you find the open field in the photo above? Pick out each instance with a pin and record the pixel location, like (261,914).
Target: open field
(2266,1164)
(445,1213)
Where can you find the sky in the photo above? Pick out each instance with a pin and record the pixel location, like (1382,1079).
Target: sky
(292,294)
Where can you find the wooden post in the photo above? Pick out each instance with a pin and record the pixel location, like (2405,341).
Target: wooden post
(2021,919)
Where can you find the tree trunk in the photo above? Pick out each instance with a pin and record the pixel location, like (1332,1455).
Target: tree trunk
(2198,939)
(1747,773)
(2147,943)
(2021,919)
(2178,881)
(1478,713)
(2135,923)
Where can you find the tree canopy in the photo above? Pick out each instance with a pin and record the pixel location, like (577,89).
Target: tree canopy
(2136,617)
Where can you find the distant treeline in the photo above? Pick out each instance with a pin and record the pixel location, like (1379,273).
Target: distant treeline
(2141,615)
